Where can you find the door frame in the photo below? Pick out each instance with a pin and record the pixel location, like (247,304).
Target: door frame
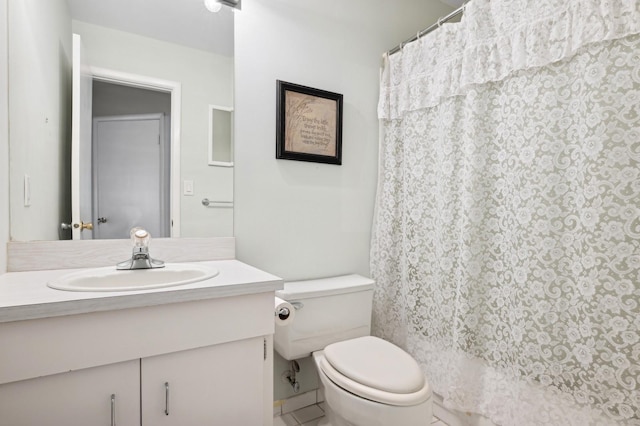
(80,132)
(174,89)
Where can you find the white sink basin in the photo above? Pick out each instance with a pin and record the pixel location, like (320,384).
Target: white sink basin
(110,279)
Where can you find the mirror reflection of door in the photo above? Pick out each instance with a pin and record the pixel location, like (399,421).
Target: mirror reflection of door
(131,160)
(119,46)
(130,168)
(122,141)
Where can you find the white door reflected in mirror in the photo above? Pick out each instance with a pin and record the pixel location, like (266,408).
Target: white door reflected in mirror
(220,136)
(184,44)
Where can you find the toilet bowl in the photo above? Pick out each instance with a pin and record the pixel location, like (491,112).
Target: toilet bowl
(377,384)
(366,381)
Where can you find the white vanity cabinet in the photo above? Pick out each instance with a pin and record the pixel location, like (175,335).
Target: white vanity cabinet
(95,396)
(213,352)
(220,384)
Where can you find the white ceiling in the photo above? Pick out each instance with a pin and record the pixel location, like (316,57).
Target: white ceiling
(185,22)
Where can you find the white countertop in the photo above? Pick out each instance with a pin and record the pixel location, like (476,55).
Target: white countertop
(25,295)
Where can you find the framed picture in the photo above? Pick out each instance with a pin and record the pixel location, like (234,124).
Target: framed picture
(308,124)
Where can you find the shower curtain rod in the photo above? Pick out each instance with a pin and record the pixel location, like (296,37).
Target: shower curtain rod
(435,26)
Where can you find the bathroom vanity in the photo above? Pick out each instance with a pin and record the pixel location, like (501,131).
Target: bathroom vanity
(194,354)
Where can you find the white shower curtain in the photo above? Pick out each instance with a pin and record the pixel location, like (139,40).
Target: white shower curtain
(506,240)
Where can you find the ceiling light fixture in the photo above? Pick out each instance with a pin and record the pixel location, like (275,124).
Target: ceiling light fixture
(213,5)
(216,5)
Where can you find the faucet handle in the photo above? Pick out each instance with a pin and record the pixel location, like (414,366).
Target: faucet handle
(140,258)
(140,237)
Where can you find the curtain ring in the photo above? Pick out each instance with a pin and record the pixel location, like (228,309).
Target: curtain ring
(464,8)
(439,21)
(418,36)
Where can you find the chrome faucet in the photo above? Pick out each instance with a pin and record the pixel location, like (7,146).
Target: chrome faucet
(140,258)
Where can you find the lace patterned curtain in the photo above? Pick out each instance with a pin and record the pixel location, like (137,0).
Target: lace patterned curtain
(506,240)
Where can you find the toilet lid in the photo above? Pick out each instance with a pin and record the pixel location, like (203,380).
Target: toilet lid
(375,369)
(376,363)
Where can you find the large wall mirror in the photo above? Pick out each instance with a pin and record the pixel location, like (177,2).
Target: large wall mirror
(110,118)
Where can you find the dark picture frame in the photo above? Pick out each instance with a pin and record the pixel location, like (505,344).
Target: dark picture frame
(308,124)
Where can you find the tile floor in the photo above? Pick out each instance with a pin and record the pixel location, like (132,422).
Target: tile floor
(312,414)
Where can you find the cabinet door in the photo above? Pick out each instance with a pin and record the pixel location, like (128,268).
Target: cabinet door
(215,385)
(81,398)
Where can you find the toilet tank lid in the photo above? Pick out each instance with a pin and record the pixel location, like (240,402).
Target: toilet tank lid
(296,290)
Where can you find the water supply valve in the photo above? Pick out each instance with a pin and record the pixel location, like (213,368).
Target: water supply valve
(289,376)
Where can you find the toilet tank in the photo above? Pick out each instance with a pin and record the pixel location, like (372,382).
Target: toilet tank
(328,310)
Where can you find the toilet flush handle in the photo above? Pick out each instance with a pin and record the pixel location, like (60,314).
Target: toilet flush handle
(297,305)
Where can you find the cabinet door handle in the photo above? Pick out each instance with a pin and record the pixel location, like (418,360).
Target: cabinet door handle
(166,398)
(113,409)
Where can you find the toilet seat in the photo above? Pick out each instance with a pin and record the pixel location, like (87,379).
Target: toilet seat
(376,370)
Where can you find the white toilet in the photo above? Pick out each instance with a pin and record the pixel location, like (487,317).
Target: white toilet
(366,381)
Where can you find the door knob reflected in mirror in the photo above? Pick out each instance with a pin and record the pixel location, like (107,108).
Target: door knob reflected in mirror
(65,226)
(82,226)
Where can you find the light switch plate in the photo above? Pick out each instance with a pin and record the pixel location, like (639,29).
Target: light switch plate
(188,187)
(27,190)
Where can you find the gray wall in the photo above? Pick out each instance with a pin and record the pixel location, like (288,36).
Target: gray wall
(305,220)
